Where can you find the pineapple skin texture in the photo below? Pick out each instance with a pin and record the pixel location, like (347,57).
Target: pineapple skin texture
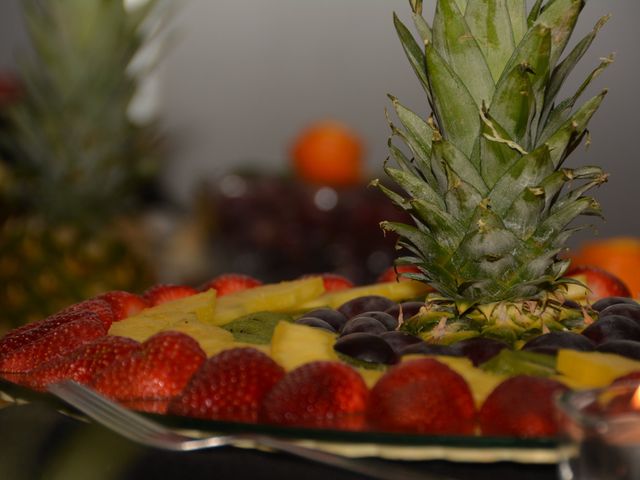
(483,177)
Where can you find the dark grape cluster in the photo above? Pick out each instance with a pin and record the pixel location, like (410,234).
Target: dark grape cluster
(368,328)
(617,329)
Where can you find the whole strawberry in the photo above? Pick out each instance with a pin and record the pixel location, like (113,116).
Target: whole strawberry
(422,396)
(51,339)
(81,364)
(123,304)
(150,376)
(160,294)
(318,394)
(521,406)
(229,386)
(94,305)
(230,283)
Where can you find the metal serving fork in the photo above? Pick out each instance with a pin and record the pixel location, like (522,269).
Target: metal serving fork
(147,432)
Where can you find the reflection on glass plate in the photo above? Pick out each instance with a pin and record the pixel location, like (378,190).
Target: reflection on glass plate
(353,444)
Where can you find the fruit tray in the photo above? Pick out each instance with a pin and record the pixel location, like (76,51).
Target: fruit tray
(349,443)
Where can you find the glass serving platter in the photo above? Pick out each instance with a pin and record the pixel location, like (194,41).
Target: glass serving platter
(396,446)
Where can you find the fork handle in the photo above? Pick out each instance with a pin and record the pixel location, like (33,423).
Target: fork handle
(379,471)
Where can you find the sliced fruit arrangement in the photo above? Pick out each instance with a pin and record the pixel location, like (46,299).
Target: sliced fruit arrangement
(358,366)
(482,329)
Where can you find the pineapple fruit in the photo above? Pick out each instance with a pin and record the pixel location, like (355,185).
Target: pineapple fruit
(73,163)
(484,177)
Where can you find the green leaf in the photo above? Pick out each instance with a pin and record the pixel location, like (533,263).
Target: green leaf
(561,141)
(490,23)
(418,131)
(461,198)
(413,52)
(431,251)
(518,14)
(534,13)
(422,27)
(455,109)
(527,172)
(445,228)
(523,216)
(514,105)
(458,162)
(562,71)
(559,114)
(462,5)
(455,43)
(556,223)
(415,187)
(496,157)
(561,17)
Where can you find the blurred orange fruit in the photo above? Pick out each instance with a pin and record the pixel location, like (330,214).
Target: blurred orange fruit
(328,153)
(619,256)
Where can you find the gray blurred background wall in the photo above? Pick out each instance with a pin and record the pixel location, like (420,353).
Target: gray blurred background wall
(245,76)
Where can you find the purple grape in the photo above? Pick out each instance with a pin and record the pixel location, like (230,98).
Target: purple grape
(625,348)
(329,315)
(613,327)
(625,309)
(408,310)
(368,303)
(479,349)
(430,349)
(363,324)
(551,342)
(389,321)
(608,301)
(366,347)
(399,340)
(315,322)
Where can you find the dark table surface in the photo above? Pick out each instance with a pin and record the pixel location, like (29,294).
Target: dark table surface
(36,442)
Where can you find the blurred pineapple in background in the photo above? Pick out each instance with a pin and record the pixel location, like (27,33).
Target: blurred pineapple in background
(73,165)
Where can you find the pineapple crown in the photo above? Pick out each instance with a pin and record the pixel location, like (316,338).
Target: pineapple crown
(69,147)
(483,177)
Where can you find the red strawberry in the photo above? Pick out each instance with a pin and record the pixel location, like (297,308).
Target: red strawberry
(150,376)
(229,386)
(601,283)
(230,283)
(333,282)
(394,273)
(422,396)
(83,363)
(318,394)
(521,406)
(21,336)
(159,294)
(52,340)
(94,305)
(123,304)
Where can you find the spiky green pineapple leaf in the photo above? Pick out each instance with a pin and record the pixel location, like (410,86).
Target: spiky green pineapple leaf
(562,70)
(454,107)
(455,43)
(490,23)
(561,17)
(518,14)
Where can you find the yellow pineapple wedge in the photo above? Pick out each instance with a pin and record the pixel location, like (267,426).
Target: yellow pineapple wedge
(293,345)
(276,297)
(199,307)
(593,369)
(396,291)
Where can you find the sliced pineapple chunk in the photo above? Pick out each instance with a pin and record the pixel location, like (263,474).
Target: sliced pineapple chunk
(199,307)
(212,339)
(593,369)
(293,345)
(370,375)
(395,291)
(276,297)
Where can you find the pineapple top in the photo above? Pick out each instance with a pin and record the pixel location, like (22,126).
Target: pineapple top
(483,177)
(73,152)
